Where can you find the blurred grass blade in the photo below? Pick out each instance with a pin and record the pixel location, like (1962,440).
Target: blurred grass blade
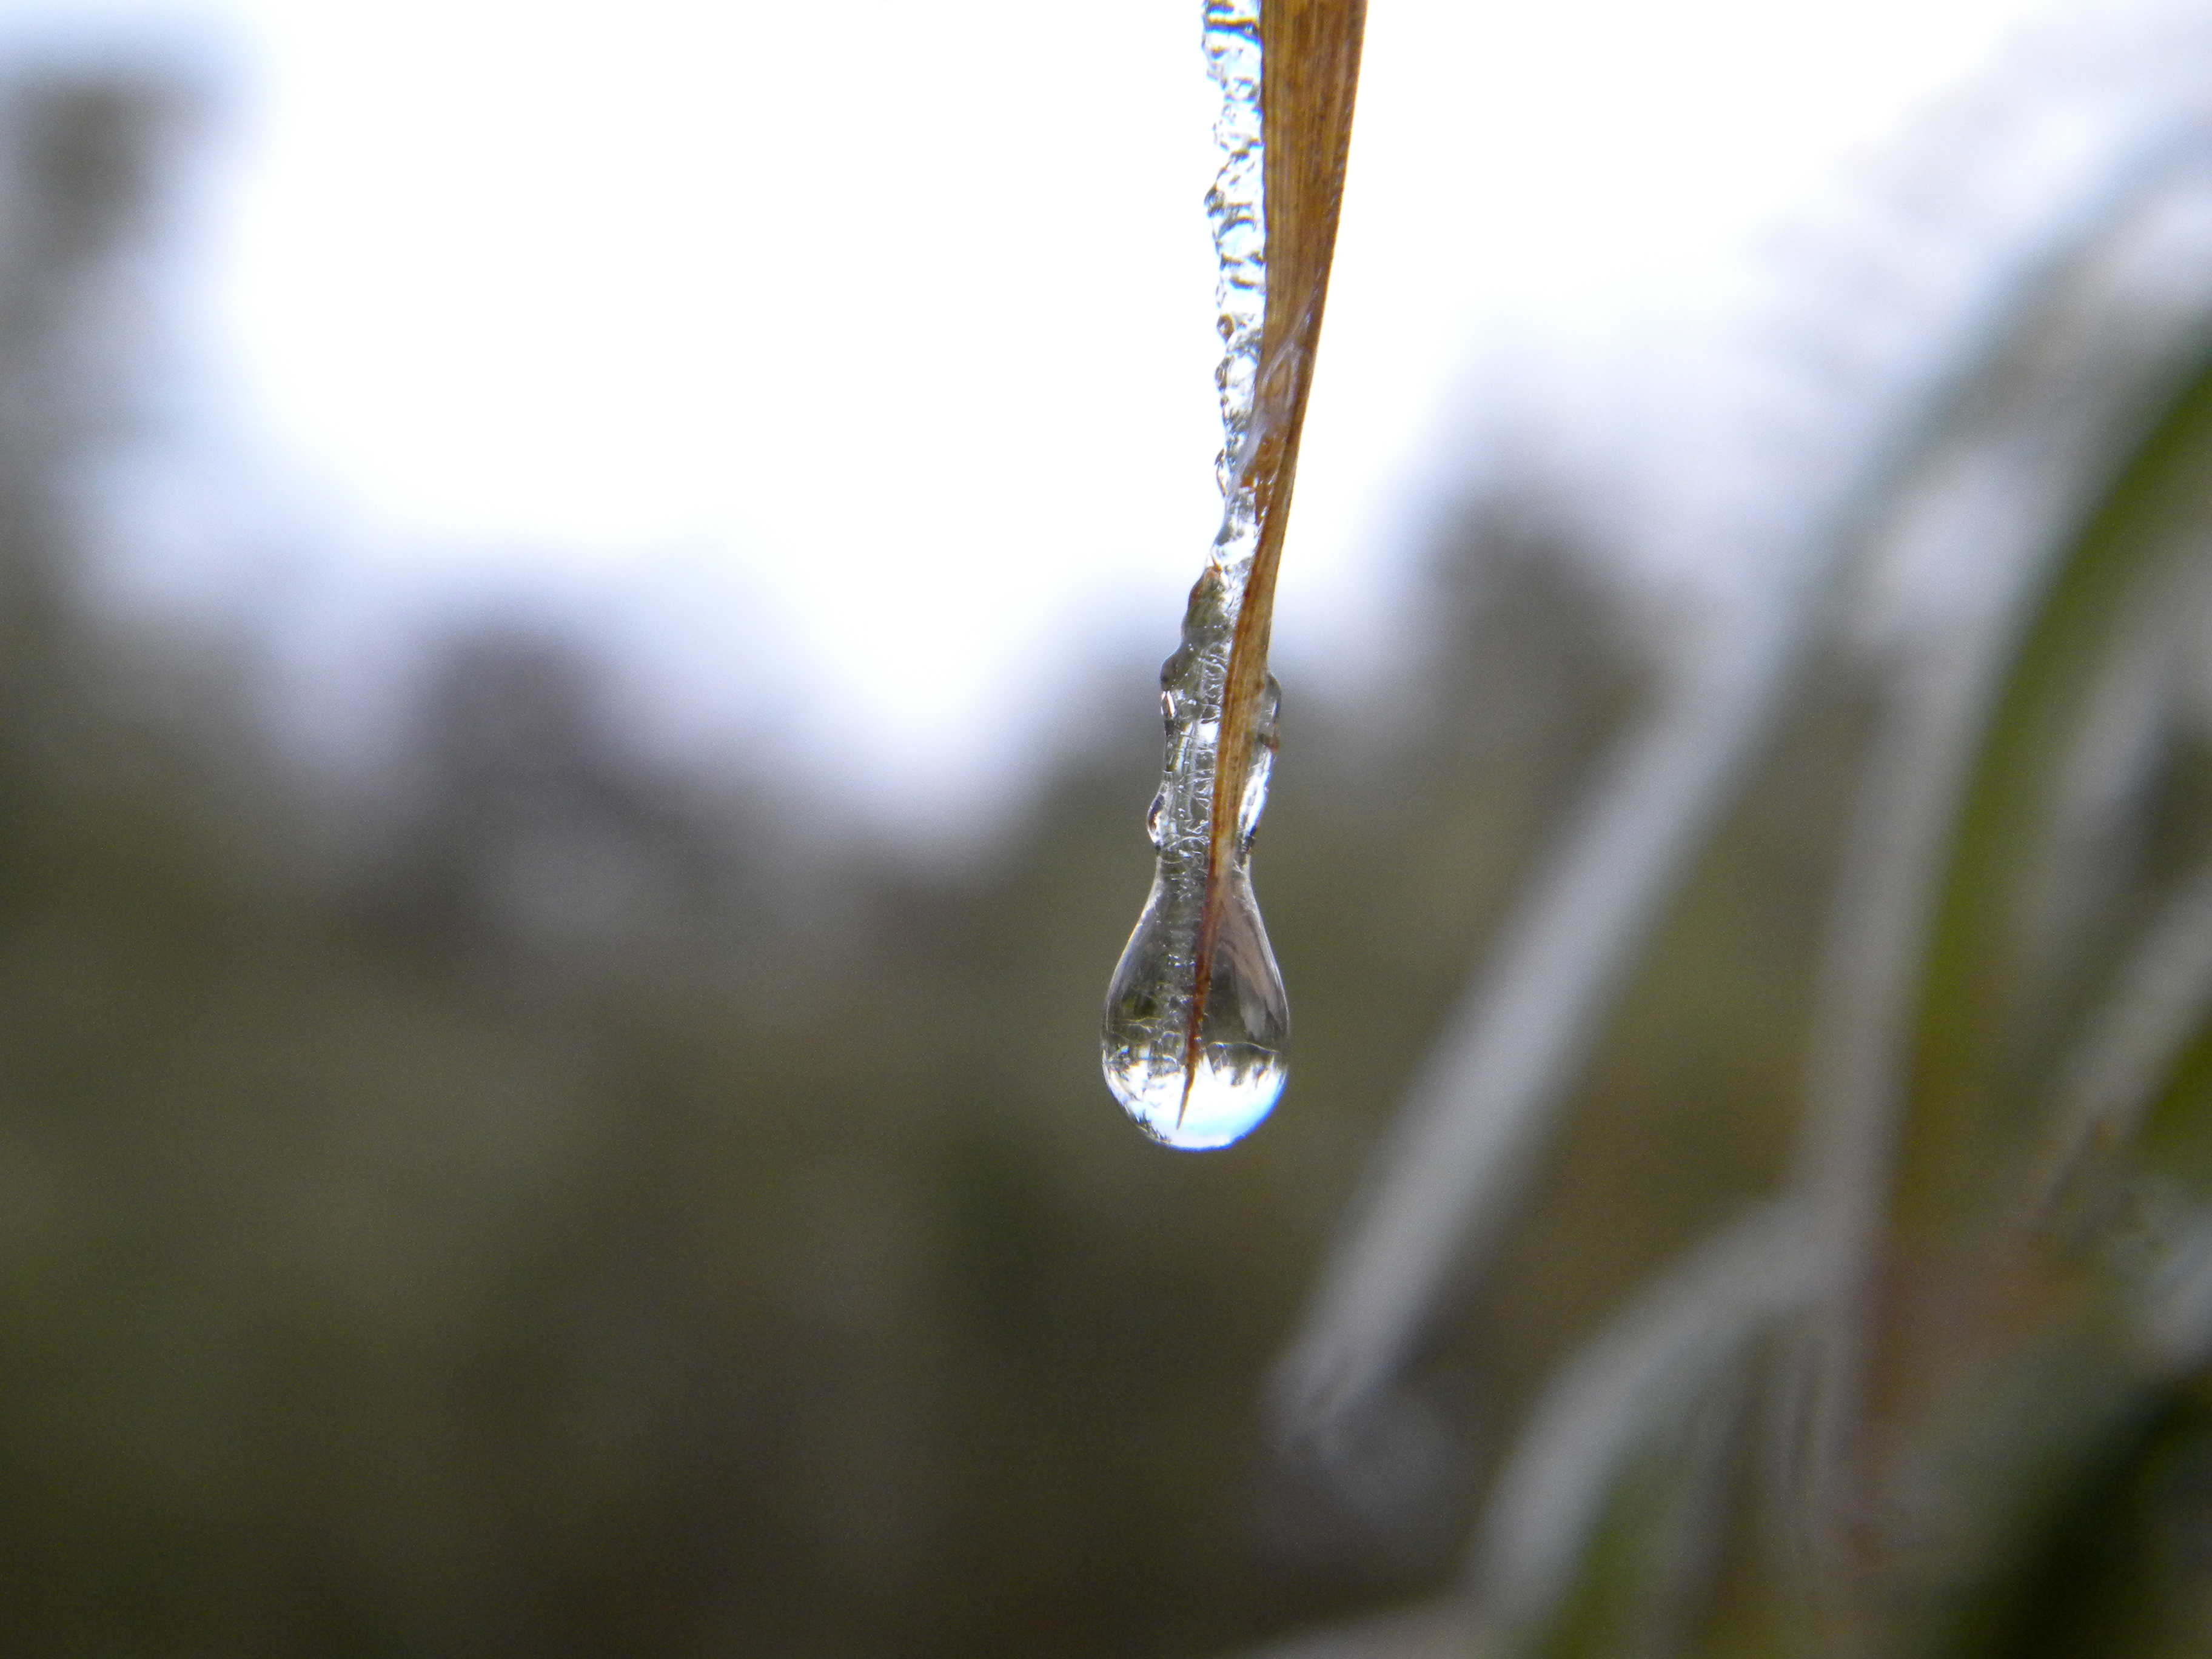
(1929,1045)
(2042,429)
(2112,767)
(1641,1379)
(1481,1109)
(2159,1002)
(1440,1630)
(2170,1285)
(1476,1118)
(1877,941)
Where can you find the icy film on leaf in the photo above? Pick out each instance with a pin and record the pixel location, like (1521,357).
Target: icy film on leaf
(1197,1026)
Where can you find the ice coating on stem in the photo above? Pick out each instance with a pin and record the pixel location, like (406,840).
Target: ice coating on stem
(1236,208)
(1195,1043)
(1197,1023)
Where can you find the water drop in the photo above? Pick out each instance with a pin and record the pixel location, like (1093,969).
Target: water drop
(1197,1027)
(1208,1088)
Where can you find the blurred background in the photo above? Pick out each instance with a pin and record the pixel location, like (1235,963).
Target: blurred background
(580,595)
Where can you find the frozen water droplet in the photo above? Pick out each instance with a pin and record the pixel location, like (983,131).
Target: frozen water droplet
(1197,1026)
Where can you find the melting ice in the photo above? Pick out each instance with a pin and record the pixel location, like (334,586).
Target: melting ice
(1196,1028)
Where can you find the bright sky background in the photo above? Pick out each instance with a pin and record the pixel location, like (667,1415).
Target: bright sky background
(849,366)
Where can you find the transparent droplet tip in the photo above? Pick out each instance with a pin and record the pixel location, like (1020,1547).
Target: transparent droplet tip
(1236,1087)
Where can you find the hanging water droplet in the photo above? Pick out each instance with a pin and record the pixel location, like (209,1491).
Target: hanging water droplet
(1196,1024)
(1207,1089)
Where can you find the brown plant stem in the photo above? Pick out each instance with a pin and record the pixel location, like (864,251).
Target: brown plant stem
(1308,77)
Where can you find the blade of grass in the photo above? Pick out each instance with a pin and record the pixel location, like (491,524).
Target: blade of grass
(1309,79)
(1925,950)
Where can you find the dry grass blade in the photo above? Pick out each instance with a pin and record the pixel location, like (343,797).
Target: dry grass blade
(1309,76)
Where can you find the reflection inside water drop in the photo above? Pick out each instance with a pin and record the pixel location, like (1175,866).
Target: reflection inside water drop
(1235,1088)
(1240,1047)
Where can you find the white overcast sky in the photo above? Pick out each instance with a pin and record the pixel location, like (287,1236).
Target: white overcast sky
(870,343)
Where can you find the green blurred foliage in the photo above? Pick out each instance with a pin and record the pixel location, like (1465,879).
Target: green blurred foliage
(1941,986)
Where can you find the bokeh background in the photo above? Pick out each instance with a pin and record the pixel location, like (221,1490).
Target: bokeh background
(578,600)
